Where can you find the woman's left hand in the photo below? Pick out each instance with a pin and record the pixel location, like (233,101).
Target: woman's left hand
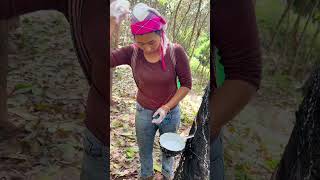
(162,112)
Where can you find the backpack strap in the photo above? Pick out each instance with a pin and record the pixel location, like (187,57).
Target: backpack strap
(174,62)
(134,56)
(134,61)
(172,55)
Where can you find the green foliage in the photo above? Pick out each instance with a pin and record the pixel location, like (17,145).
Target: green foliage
(202,52)
(131,152)
(272,164)
(163,2)
(304,8)
(157,167)
(296,44)
(242,172)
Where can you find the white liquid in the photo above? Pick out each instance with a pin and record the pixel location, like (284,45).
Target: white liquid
(140,11)
(172,145)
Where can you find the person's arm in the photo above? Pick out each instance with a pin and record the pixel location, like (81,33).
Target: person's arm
(113,26)
(11,8)
(180,94)
(118,12)
(184,75)
(122,55)
(236,37)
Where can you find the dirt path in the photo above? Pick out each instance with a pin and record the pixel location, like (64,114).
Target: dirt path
(47,91)
(255,141)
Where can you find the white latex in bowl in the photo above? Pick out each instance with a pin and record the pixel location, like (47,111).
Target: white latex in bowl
(172,142)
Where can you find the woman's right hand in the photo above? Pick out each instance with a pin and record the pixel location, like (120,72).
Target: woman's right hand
(119,9)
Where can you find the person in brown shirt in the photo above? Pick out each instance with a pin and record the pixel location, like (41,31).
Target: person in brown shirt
(235,36)
(155,71)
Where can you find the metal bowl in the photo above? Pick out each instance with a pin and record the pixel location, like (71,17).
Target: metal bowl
(172,144)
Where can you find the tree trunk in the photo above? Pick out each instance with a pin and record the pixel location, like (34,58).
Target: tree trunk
(197,69)
(293,41)
(3,69)
(199,33)
(13,25)
(300,42)
(301,158)
(308,54)
(175,22)
(284,14)
(184,17)
(284,53)
(254,3)
(194,163)
(195,22)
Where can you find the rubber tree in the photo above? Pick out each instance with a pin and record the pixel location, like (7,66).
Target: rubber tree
(301,157)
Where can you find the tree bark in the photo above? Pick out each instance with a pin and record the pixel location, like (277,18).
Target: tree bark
(285,12)
(301,158)
(254,2)
(13,25)
(300,42)
(308,54)
(175,22)
(184,17)
(195,22)
(199,33)
(194,162)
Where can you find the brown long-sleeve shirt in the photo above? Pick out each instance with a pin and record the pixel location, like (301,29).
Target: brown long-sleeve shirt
(234,34)
(89,27)
(155,87)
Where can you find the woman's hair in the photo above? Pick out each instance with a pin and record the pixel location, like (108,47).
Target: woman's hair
(158,32)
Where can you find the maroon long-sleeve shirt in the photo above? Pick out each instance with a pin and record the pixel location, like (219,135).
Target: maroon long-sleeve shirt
(233,26)
(235,35)
(89,26)
(155,87)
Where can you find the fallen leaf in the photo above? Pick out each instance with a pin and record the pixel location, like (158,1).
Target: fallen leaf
(131,151)
(157,167)
(23,88)
(22,113)
(68,152)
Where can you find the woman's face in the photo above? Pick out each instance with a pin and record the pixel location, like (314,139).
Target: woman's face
(149,42)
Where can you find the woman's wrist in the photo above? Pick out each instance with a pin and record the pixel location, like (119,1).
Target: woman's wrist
(166,107)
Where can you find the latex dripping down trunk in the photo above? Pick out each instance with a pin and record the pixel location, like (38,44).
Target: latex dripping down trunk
(301,157)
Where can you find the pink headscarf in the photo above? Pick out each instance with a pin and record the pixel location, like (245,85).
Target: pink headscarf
(152,22)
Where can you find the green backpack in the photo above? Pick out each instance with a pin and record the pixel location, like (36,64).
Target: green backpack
(219,74)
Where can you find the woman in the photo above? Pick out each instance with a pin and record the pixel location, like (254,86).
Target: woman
(155,74)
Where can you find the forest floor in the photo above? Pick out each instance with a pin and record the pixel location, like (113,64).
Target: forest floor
(47,95)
